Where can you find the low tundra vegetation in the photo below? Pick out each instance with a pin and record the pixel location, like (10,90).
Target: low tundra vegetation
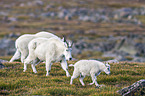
(16,82)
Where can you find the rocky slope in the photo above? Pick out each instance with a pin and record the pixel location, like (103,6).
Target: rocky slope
(99,29)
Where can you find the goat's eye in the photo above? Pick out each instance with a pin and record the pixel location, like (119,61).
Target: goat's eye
(67,50)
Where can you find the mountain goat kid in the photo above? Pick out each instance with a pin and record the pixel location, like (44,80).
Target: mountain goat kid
(48,50)
(21,44)
(89,67)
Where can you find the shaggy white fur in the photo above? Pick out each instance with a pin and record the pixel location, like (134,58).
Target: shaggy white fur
(22,42)
(48,50)
(89,67)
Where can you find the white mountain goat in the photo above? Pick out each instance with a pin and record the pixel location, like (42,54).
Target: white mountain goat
(89,67)
(21,44)
(31,58)
(50,51)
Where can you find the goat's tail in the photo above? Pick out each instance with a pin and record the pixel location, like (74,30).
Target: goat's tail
(71,65)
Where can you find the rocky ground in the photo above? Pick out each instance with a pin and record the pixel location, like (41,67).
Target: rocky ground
(100,30)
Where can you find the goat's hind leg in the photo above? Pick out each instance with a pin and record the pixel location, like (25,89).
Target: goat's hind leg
(16,56)
(24,54)
(81,79)
(37,61)
(33,68)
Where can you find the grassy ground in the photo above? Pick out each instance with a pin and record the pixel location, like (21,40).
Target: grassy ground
(15,82)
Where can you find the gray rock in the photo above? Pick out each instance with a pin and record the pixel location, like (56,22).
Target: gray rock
(108,45)
(6,43)
(139,11)
(138,59)
(9,6)
(76,51)
(13,35)
(83,11)
(22,5)
(100,18)
(48,7)
(2,61)
(39,2)
(7,47)
(84,18)
(12,19)
(63,13)
(34,3)
(116,55)
(112,61)
(9,19)
(122,13)
(49,14)
(1,65)
(140,47)
(3,13)
(137,87)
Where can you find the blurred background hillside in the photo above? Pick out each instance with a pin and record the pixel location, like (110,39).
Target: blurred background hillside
(100,29)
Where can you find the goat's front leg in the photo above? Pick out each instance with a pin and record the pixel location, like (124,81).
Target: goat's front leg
(94,79)
(65,67)
(81,79)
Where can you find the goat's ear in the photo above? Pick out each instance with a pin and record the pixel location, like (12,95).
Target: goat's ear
(107,65)
(63,39)
(69,44)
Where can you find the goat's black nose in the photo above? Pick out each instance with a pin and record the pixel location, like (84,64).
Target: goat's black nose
(70,58)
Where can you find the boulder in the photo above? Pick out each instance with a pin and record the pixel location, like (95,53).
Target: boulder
(7,47)
(48,14)
(140,47)
(2,61)
(1,65)
(13,35)
(122,13)
(63,13)
(3,13)
(137,88)
(112,61)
